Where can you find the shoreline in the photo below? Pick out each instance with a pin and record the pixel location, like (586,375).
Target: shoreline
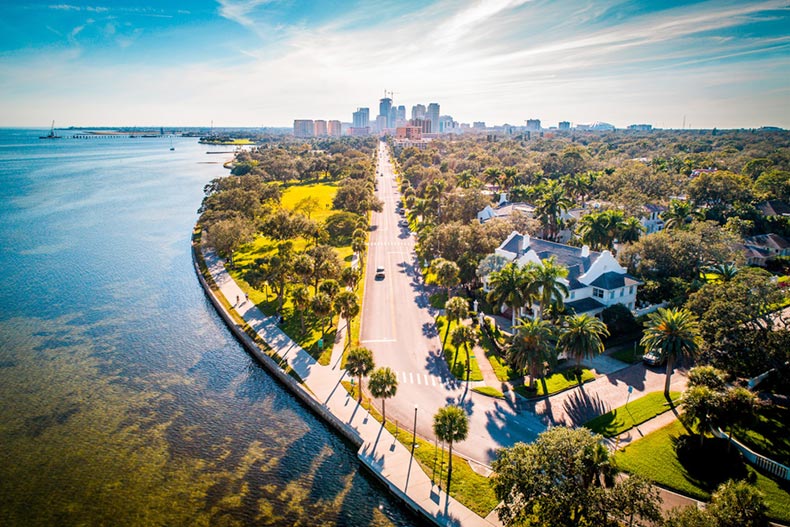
(444,510)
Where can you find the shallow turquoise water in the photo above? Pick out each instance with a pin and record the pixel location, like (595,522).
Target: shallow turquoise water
(125,401)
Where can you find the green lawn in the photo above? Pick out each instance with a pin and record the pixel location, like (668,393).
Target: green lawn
(467,486)
(502,370)
(624,418)
(701,470)
(769,434)
(629,354)
(457,362)
(489,391)
(556,382)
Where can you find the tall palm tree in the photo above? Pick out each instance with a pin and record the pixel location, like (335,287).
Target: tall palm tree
(321,304)
(593,230)
(678,214)
(674,333)
(447,274)
(383,384)
(359,362)
(450,424)
(300,296)
(551,204)
(491,175)
(507,287)
(582,338)
(455,309)
(532,346)
(630,230)
(545,283)
(464,336)
(346,304)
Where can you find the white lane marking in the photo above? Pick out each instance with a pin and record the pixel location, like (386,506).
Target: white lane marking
(433,380)
(411,381)
(366,341)
(426,379)
(404,376)
(418,379)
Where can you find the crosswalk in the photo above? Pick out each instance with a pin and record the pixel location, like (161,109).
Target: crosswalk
(407,245)
(424,379)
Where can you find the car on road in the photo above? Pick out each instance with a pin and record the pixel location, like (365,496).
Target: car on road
(654,358)
(403,223)
(379,272)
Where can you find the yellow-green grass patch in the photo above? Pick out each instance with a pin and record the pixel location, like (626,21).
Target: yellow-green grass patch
(557,382)
(489,391)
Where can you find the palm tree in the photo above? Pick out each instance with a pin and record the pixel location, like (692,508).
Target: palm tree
(465,179)
(678,214)
(359,362)
(346,304)
(463,336)
(507,287)
(545,283)
(455,309)
(723,272)
(300,296)
(330,287)
(630,230)
(447,273)
(450,424)
(349,277)
(532,346)
(491,175)
(582,337)
(551,204)
(321,304)
(383,384)
(674,333)
(593,229)
(701,405)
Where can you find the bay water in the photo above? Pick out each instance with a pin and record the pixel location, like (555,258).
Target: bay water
(123,398)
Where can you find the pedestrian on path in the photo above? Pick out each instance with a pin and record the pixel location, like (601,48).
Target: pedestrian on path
(246,297)
(237,300)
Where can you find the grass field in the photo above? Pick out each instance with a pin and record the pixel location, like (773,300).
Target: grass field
(489,391)
(655,457)
(624,418)
(557,382)
(467,486)
(457,362)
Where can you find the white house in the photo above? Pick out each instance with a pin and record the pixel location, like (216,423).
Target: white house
(651,218)
(595,280)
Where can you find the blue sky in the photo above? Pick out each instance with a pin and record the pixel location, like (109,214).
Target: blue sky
(266,62)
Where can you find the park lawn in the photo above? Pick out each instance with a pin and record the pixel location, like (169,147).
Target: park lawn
(502,370)
(769,434)
(557,382)
(458,368)
(293,193)
(467,486)
(654,457)
(624,418)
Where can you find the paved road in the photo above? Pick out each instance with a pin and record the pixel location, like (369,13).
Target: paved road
(398,325)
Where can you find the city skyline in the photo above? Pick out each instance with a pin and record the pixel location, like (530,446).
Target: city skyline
(265,62)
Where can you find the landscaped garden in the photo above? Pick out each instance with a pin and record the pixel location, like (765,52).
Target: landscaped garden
(457,356)
(676,460)
(556,382)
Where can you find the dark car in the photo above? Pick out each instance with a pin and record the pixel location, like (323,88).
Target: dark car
(654,358)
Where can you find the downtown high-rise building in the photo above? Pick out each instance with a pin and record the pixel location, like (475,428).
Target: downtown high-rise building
(401,116)
(418,111)
(432,115)
(385,109)
(334,128)
(361,118)
(320,128)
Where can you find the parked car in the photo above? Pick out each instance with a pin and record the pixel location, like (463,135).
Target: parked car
(654,358)
(379,273)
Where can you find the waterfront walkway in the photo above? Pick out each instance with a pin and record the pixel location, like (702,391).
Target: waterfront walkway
(385,456)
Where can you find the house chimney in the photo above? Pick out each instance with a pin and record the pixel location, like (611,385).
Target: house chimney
(502,198)
(585,251)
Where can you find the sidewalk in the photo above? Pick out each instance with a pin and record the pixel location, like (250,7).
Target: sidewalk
(387,458)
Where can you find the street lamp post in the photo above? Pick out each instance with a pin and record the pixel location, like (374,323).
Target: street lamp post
(414,431)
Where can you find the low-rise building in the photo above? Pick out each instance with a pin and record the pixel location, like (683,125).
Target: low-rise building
(774,207)
(651,218)
(595,279)
(763,247)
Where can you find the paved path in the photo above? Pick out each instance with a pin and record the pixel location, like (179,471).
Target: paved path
(380,451)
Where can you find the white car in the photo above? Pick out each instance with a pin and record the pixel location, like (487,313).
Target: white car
(379,272)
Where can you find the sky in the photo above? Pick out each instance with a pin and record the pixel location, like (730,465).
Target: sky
(719,63)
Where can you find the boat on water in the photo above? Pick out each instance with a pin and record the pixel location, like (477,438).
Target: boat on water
(171,145)
(51,134)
